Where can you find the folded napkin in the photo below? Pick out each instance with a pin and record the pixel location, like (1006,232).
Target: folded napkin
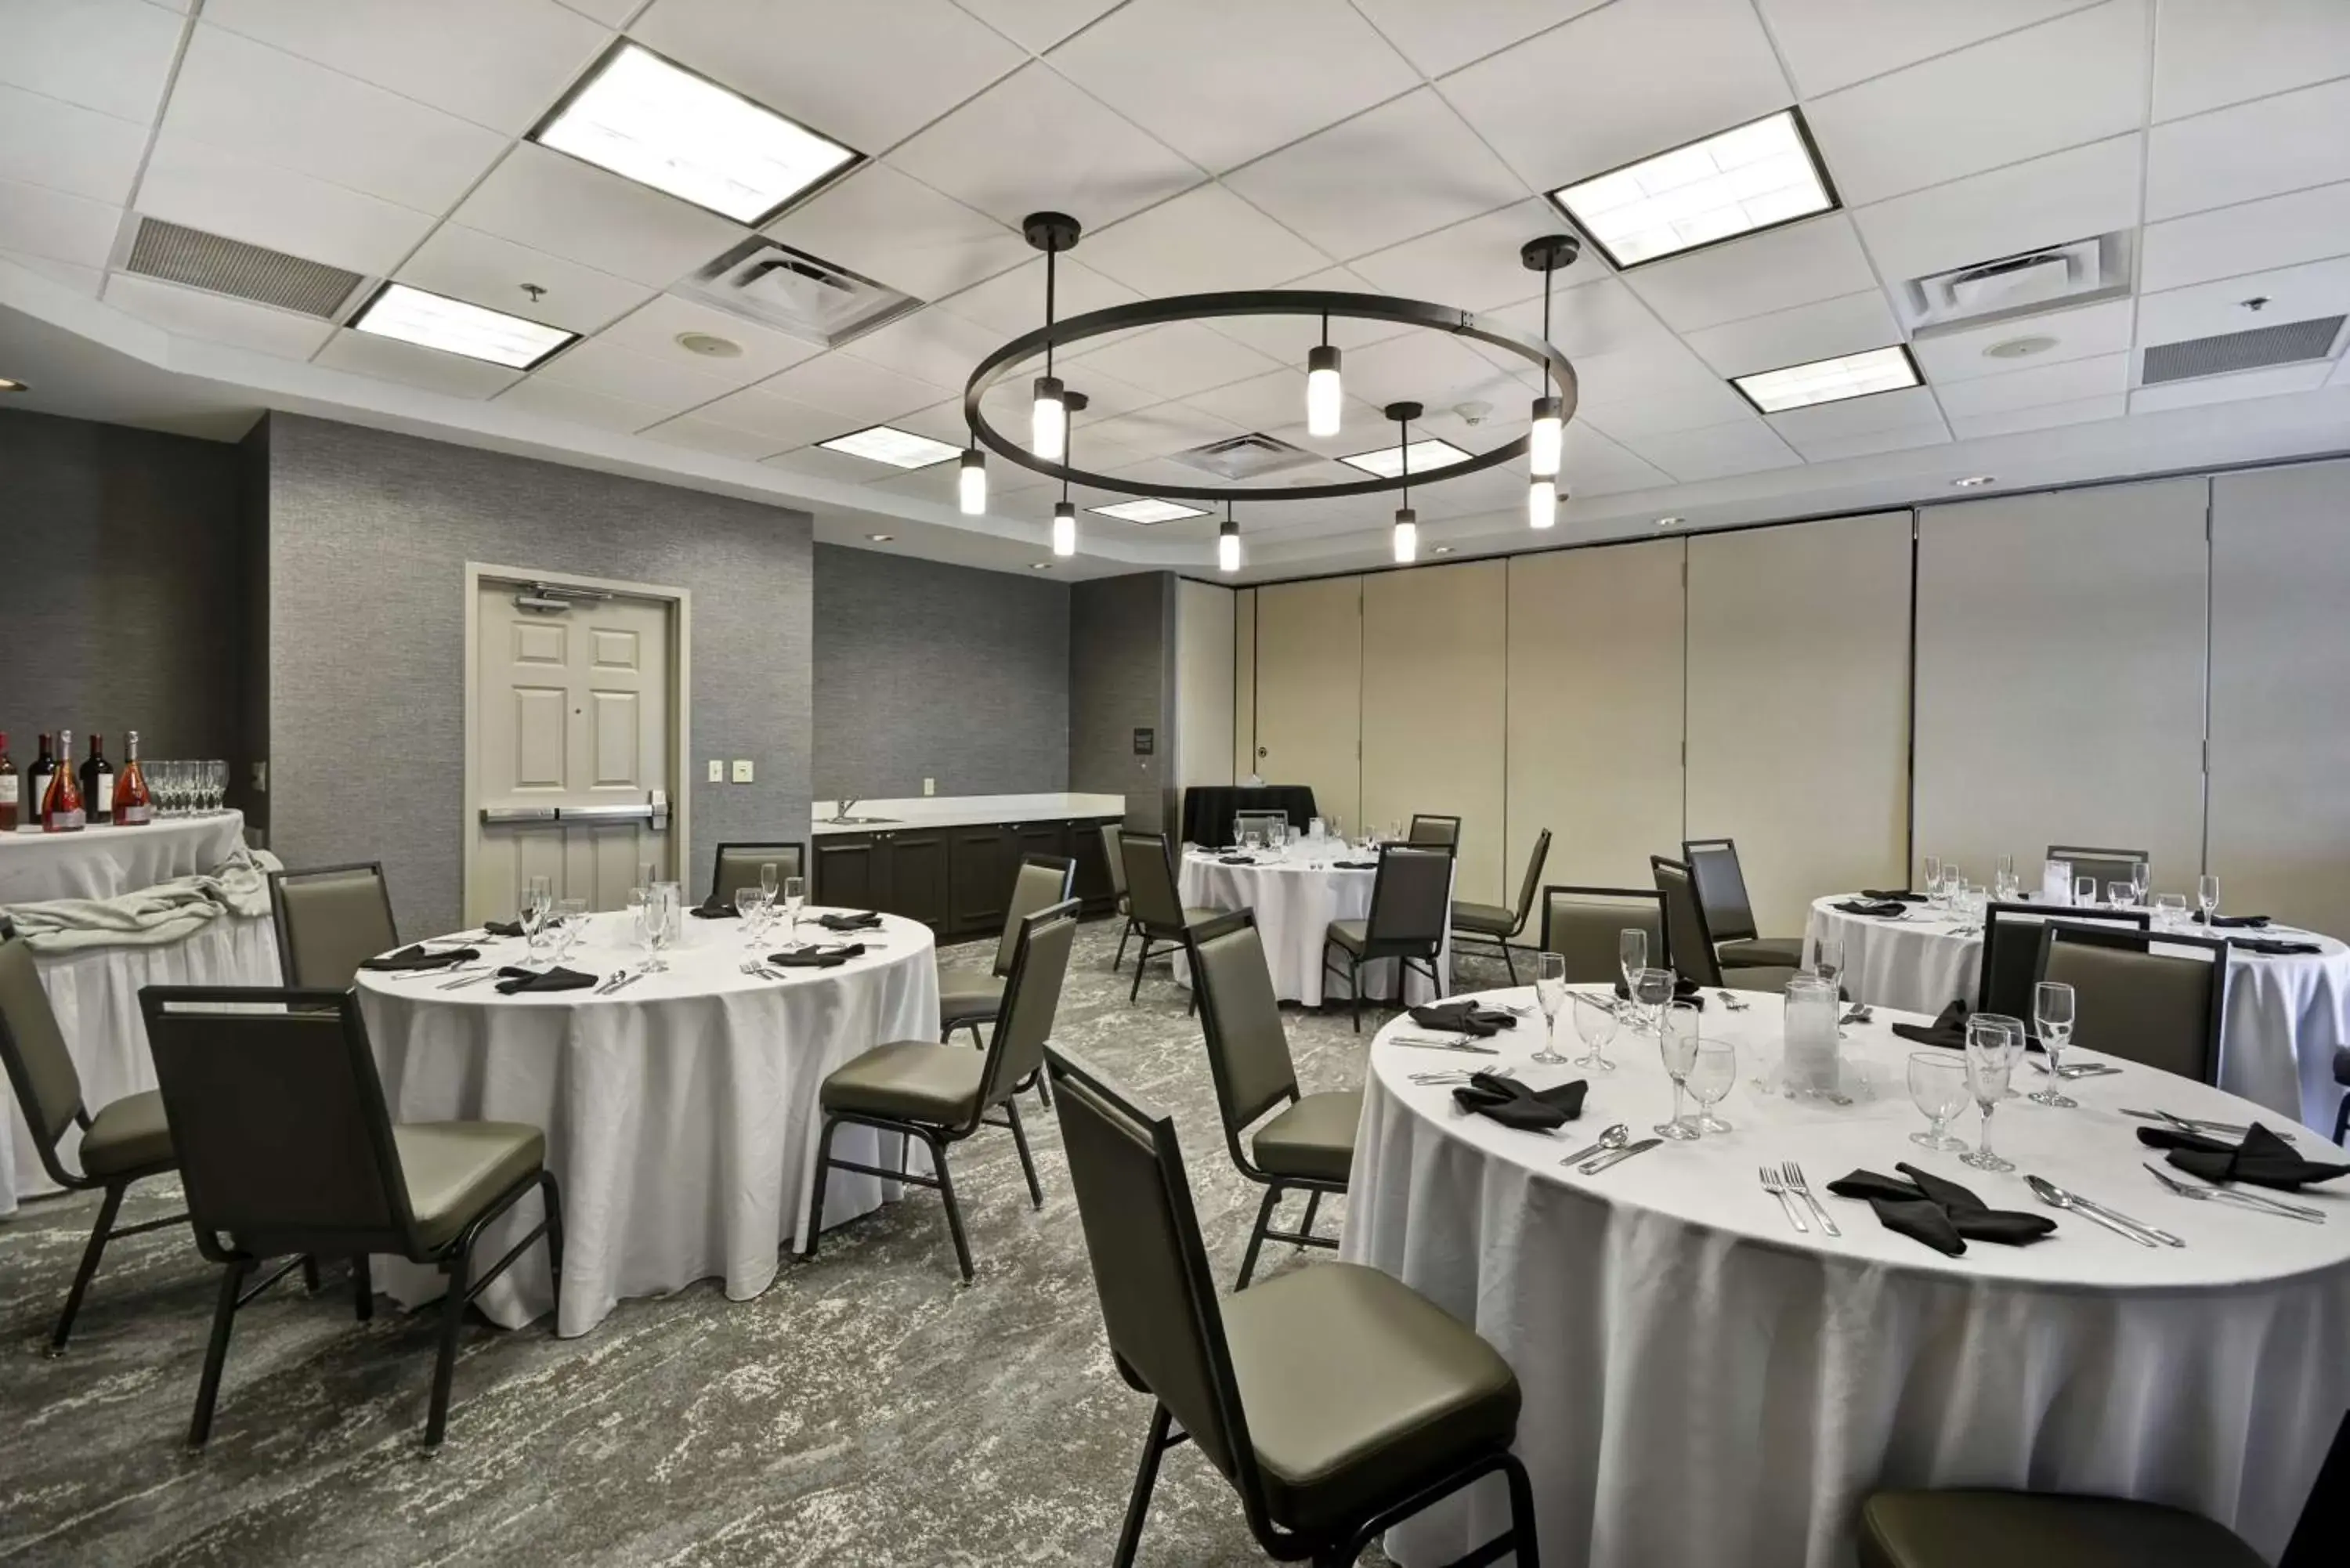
(1514,1104)
(504,929)
(1881,909)
(2264,1158)
(1948,1030)
(1355,865)
(715,912)
(2274,946)
(1235,860)
(1464,1017)
(1684,990)
(828,957)
(414,957)
(1892,894)
(849,920)
(1942,1214)
(511,980)
(2223,922)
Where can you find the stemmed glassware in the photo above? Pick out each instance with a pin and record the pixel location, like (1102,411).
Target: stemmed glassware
(749,903)
(1938,1087)
(1989,1061)
(657,929)
(2207,896)
(1933,879)
(1712,1072)
(2170,910)
(2051,1009)
(1652,989)
(1550,992)
(1595,1025)
(1632,956)
(538,901)
(571,924)
(2003,885)
(2141,878)
(1827,959)
(794,898)
(1677,1041)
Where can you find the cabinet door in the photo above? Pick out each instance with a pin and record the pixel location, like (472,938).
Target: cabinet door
(1094,892)
(848,871)
(1039,838)
(978,878)
(918,878)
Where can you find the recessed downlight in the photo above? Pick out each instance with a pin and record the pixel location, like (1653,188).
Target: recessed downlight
(1974,481)
(1886,369)
(710,345)
(2020,347)
(453,327)
(1755,176)
(885,443)
(1386,462)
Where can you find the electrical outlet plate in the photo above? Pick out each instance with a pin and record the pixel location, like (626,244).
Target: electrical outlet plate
(929,786)
(717,771)
(742,770)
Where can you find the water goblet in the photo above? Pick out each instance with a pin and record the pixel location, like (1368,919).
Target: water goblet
(2051,1009)
(2170,910)
(1595,1025)
(2118,894)
(571,924)
(795,899)
(2207,896)
(2013,1030)
(2140,878)
(1677,1044)
(1938,1087)
(1987,1066)
(1712,1072)
(748,903)
(1652,989)
(1550,992)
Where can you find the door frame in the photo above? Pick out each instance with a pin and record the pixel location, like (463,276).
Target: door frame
(681,712)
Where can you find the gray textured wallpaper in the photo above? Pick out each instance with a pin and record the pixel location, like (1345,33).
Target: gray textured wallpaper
(1122,678)
(928,671)
(370,535)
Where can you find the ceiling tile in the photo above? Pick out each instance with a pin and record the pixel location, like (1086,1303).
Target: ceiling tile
(1430,368)
(2069,195)
(1013,302)
(866,81)
(930,345)
(1819,258)
(2304,225)
(48,141)
(2341,377)
(1272,402)
(1830,44)
(499,63)
(483,269)
(1038,25)
(1174,361)
(1166,428)
(658,382)
(1601,316)
(2107,375)
(2080,333)
(578,405)
(894,229)
(1442,35)
(859,392)
(1714,452)
(2040,417)
(2270,383)
(206,188)
(1035,142)
(1656,386)
(541,199)
(2075,80)
(1592,464)
(2283,143)
(2202,310)
(1204,240)
(1619,84)
(1868,443)
(700,434)
(1223,81)
(388,359)
(256,102)
(611,13)
(113,56)
(215,317)
(55,226)
(655,329)
(779,421)
(1474,264)
(817,464)
(82,280)
(2208,53)
(1288,339)
(1846,325)
(1912,408)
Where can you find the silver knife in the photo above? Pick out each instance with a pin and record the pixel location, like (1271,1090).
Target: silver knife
(625,980)
(1443,1045)
(2099,1210)
(1594,1166)
(1583,1153)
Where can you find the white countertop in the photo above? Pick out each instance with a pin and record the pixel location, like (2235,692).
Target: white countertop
(963,811)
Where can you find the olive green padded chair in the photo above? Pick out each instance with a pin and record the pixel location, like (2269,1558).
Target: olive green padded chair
(1115,860)
(1412,905)
(1690,939)
(329,920)
(737,866)
(1475,925)
(1159,911)
(1721,885)
(970,998)
(2155,998)
(1307,1144)
(2010,966)
(126,1141)
(287,1149)
(941,1094)
(1337,1400)
(1584,926)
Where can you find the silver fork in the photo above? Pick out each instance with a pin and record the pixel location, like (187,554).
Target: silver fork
(2252,1201)
(1803,1189)
(1729,999)
(1457,1076)
(1777,1186)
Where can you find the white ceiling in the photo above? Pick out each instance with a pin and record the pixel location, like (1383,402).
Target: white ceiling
(1374,145)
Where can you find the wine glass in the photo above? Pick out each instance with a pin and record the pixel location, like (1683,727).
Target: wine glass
(1653,989)
(748,904)
(1594,1023)
(1550,992)
(1987,1066)
(794,897)
(1954,883)
(2118,894)
(1631,954)
(2207,896)
(653,926)
(2012,1029)
(1677,1044)
(537,901)
(219,772)
(2170,910)
(667,901)
(1938,1087)
(2141,875)
(2051,1009)
(645,874)
(1933,879)
(571,922)
(1712,1075)
(1827,959)
(771,882)
(2084,892)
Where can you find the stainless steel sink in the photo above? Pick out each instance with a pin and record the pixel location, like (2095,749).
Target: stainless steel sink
(858,821)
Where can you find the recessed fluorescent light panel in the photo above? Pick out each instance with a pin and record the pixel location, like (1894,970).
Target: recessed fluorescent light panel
(1150,509)
(899,448)
(661,125)
(453,327)
(1830,380)
(1388,461)
(1757,176)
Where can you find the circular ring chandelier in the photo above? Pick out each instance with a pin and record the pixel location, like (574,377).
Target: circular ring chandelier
(1048,449)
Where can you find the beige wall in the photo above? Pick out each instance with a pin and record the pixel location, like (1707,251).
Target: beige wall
(1434,676)
(1203,684)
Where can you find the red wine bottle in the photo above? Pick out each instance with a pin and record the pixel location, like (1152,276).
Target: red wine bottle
(96,784)
(10,788)
(61,803)
(134,802)
(36,783)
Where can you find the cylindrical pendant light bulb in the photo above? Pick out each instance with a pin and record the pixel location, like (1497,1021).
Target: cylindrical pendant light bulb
(1542,503)
(970,483)
(1064,529)
(1407,537)
(1323,391)
(1228,547)
(1048,421)
(1544,440)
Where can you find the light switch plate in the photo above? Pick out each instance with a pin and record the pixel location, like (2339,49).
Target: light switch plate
(717,771)
(742,770)
(929,786)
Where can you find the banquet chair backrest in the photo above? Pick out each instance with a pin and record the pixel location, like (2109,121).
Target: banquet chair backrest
(1584,925)
(1115,858)
(1248,1051)
(1687,935)
(328,919)
(2106,865)
(1429,829)
(2011,949)
(1031,996)
(32,1045)
(1151,881)
(1261,822)
(1411,896)
(1721,887)
(2149,998)
(1531,883)
(737,866)
(1042,881)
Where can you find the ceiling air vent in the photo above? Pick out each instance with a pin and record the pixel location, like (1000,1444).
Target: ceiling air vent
(2013,285)
(1250,456)
(797,293)
(241,271)
(2287,343)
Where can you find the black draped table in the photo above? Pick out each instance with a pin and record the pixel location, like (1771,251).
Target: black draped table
(1208,809)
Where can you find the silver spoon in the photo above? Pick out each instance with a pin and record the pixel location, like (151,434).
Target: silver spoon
(1731,1002)
(1615,1137)
(2056,1196)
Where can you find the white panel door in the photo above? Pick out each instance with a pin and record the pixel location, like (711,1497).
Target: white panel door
(1435,674)
(571,711)
(1309,691)
(1243,684)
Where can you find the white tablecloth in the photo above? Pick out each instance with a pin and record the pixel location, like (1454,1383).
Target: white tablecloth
(95,993)
(1705,1386)
(681,1112)
(2284,1017)
(1297,892)
(107,862)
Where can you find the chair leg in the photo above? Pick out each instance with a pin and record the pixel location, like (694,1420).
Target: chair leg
(363,1287)
(1020,1142)
(1141,960)
(444,1366)
(310,1275)
(200,1429)
(1257,1237)
(815,1200)
(1313,1202)
(1124,933)
(955,1209)
(1511,963)
(1523,1544)
(96,1248)
(1137,1506)
(2341,1122)
(551,1194)
(1355,985)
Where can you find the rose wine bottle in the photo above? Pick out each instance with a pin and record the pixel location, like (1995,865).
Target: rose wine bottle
(96,784)
(61,803)
(10,788)
(36,783)
(134,802)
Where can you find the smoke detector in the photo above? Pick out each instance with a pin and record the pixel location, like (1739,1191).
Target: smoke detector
(1473,413)
(710,345)
(2020,347)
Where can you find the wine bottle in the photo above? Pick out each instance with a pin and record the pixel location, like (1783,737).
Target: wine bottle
(11,787)
(36,783)
(134,802)
(96,784)
(61,803)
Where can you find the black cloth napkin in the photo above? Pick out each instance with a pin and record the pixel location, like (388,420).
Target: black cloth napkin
(1882,908)
(414,957)
(1684,990)
(849,920)
(1948,1030)
(2274,946)
(511,980)
(504,929)
(1892,894)
(2223,922)
(715,912)
(1355,865)
(1464,1017)
(1235,860)
(1942,1214)
(2264,1158)
(1514,1104)
(831,956)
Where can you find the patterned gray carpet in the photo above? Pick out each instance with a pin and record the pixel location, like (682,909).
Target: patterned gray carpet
(865,1410)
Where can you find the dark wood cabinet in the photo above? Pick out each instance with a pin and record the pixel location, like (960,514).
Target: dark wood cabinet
(956,880)
(1094,890)
(846,871)
(1039,838)
(902,873)
(979,871)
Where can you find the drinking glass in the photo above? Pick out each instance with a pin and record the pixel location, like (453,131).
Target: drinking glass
(220,785)
(1594,1023)
(2084,892)
(2051,1009)
(1827,959)
(1933,879)
(2118,894)
(1711,1076)
(537,901)
(770,879)
(666,901)
(1938,1087)
(794,898)
(1987,1066)
(748,903)
(2013,1028)
(646,873)
(1550,990)
(2207,896)
(1631,954)
(1978,897)
(2141,875)
(653,927)
(1677,1042)
(571,921)
(1249,841)
(1954,882)
(2005,869)
(1653,989)
(2170,910)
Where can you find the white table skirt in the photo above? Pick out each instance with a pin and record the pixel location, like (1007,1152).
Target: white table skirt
(681,1112)
(1295,903)
(95,994)
(1704,1387)
(2284,1018)
(108,862)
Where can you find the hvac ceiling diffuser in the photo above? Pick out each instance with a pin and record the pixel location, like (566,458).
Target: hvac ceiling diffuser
(220,266)
(2287,343)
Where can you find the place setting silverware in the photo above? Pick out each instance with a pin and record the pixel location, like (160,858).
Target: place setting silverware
(1729,999)
(2259,1203)
(1858,1012)
(1792,1177)
(2120,1224)
(617,979)
(2201,1128)
(1462,1075)
(1615,1137)
(1415,1043)
(1615,1158)
(2078,1070)
(474,978)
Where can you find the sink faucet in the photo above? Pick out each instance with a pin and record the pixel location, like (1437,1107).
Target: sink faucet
(840,811)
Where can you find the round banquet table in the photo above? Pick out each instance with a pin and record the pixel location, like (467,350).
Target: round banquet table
(1296,891)
(108,862)
(1704,1385)
(2285,1014)
(680,1110)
